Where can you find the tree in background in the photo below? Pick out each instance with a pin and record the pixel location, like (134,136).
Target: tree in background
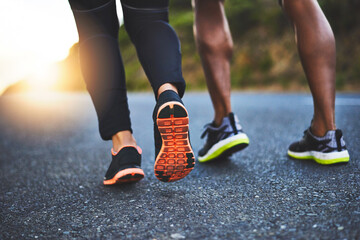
(264,53)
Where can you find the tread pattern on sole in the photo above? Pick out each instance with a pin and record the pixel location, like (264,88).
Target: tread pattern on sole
(176,158)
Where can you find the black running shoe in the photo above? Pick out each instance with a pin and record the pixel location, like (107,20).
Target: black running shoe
(329,149)
(125,166)
(173,152)
(224,140)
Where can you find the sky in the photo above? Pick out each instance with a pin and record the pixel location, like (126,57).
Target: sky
(33,36)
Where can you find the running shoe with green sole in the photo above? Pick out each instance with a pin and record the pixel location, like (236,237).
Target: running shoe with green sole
(224,140)
(326,150)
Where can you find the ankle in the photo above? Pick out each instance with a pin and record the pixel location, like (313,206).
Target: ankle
(219,116)
(218,120)
(320,130)
(165,87)
(122,139)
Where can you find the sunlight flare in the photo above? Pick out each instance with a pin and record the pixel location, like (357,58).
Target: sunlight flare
(44,77)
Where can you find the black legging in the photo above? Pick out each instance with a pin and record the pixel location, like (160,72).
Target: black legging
(157,46)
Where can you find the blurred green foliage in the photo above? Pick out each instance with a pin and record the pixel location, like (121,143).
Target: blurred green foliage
(265,54)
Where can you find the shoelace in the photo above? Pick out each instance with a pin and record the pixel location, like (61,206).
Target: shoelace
(208,130)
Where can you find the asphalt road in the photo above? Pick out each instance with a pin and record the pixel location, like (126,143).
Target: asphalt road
(52,162)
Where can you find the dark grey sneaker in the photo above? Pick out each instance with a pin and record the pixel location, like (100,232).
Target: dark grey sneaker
(325,150)
(224,140)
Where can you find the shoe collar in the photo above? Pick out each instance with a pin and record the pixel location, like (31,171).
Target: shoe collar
(126,146)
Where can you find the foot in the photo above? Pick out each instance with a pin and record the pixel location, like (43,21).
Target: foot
(125,166)
(224,140)
(325,150)
(173,152)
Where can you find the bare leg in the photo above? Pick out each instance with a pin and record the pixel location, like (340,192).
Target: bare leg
(316,46)
(166,86)
(215,46)
(123,138)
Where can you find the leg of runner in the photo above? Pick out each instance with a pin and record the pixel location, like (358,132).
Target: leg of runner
(159,52)
(156,42)
(102,66)
(158,49)
(103,71)
(316,46)
(215,46)
(214,42)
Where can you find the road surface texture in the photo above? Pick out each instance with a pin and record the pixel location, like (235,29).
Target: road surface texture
(52,162)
